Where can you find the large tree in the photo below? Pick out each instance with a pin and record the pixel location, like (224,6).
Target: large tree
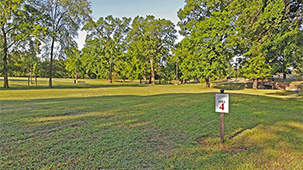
(73,62)
(283,50)
(65,20)
(267,33)
(209,42)
(151,41)
(19,21)
(109,35)
(137,62)
(92,59)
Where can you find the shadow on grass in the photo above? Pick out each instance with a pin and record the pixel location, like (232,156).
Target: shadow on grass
(283,93)
(174,105)
(229,86)
(70,86)
(140,131)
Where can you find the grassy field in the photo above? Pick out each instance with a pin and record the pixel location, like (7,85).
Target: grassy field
(132,126)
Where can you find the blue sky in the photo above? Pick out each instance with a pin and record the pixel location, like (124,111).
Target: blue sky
(131,8)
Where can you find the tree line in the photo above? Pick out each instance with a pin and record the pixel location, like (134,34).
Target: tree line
(258,38)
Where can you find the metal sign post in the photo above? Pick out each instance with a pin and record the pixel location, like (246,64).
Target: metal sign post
(222,127)
(222,106)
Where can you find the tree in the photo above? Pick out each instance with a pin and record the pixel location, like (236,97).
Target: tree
(110,33)
(92,59)
(136,59)
(65,19)
(21,63)
(167,71)
(73,62)
(151,40)
(136,64)
(284,48)
(59,70)
(122,66)
(19,21)
(208,46)
(186,59)
(266,34)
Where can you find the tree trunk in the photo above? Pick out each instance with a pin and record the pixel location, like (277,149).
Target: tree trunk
(131,79)
(31,72)
(110,72)
(198,80)
(207,84)
(145,76)
(236,75)
(5,69)
(255,83)
(77,76)
(177,71)
(5,51)
(152,71)
(51,64)
(159,74)
(140,81)
(284,77)
(184,81)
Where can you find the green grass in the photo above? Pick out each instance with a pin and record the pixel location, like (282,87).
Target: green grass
(133,126)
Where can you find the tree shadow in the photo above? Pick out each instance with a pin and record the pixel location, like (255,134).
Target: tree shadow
(229,86)
(283,93)
(71,86)
(149,126)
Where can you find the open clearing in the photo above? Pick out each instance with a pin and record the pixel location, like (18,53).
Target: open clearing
(132,126)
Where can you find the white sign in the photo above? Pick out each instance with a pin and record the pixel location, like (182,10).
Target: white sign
(222,103)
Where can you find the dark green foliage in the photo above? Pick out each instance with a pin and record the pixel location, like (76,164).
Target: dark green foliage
(151,41)
(73,64)
(19,23)
(268,36)
(105,46)
(207,49)
(59,69)
(21,64)
(64,21)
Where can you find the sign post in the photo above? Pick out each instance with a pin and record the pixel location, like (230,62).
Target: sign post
(222,127)
(222,107)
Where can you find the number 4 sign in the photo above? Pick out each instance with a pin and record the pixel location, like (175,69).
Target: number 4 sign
(222,103)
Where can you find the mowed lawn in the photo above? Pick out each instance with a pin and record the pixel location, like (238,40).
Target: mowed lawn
(132,126)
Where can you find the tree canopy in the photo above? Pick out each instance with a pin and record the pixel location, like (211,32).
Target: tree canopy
(19,22)
(107,38)
(265,34)
(64,21)
(151,41)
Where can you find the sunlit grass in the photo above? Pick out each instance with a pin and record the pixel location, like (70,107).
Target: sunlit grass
(132,126)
